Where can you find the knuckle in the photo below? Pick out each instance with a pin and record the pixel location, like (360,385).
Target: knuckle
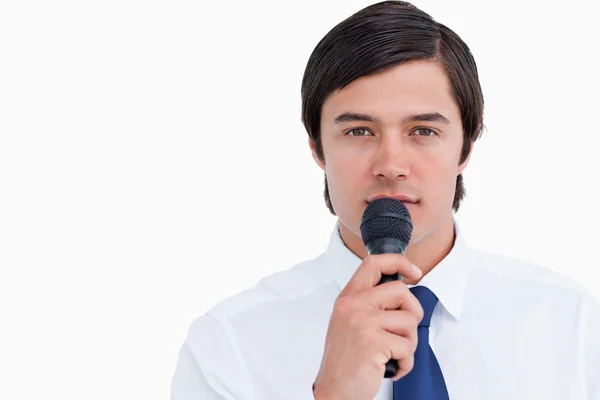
(414,341)
(416,319)
(344,305)
(405,366)
(404,290)
(420,313)
(399,289)
(410,363)
(400,286)
(416,308)
(403,352)
(368,261)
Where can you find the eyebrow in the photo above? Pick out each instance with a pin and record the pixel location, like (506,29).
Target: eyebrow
(427,117)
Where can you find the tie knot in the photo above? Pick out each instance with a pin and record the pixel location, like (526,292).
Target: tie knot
(428,301)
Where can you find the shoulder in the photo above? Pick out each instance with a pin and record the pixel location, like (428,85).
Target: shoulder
(520,272)
(519,282)
(507,284)
(295,282)
(558,303)
(213,338)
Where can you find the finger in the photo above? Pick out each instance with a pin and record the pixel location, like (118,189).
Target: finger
(402,350)
(374,266)
(404,367)
(400,323)
(393,295)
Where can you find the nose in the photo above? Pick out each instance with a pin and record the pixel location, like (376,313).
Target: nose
(391,160)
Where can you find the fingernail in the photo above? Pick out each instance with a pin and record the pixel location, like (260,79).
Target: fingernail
(417,270)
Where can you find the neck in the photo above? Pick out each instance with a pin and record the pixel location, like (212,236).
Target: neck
(425,251)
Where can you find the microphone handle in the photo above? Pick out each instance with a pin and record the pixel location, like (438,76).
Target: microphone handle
(391,367)
(380,246)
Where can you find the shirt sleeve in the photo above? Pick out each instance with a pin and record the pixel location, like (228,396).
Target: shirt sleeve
(188,381)
(210,365)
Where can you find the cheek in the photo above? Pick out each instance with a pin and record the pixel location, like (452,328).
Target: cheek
(438,174)
(343,172)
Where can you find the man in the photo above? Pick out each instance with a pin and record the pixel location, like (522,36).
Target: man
(393,106)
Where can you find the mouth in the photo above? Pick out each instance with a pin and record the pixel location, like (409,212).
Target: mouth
(405,199)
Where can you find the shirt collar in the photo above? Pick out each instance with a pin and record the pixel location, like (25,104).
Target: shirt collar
(448,280)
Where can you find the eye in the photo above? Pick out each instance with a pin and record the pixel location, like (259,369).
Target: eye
(358,132)
(426,132)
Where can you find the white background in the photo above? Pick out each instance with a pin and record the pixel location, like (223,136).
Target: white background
(152,162)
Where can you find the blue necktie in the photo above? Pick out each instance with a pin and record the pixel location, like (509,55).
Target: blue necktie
(425,381)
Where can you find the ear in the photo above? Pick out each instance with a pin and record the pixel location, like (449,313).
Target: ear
(462,167)
(313,150)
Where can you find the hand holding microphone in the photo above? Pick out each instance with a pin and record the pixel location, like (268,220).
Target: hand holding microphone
(372,332)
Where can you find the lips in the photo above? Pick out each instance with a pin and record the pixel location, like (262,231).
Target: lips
(397,196)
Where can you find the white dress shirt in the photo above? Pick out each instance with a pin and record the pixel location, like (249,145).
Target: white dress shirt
(502,329)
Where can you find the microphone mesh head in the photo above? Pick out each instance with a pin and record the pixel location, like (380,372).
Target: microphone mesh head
(386,218)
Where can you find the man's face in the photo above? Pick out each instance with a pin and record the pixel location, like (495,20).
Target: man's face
(411,146)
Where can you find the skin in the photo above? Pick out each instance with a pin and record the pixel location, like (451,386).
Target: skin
(391,154)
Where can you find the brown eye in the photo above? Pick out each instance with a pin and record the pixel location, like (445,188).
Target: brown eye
(425,132)
(357,132)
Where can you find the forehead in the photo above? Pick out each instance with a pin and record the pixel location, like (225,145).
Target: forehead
(409,88)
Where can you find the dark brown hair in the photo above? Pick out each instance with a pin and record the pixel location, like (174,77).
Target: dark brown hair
(381,36)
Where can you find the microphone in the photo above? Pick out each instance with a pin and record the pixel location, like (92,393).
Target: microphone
(386,227)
